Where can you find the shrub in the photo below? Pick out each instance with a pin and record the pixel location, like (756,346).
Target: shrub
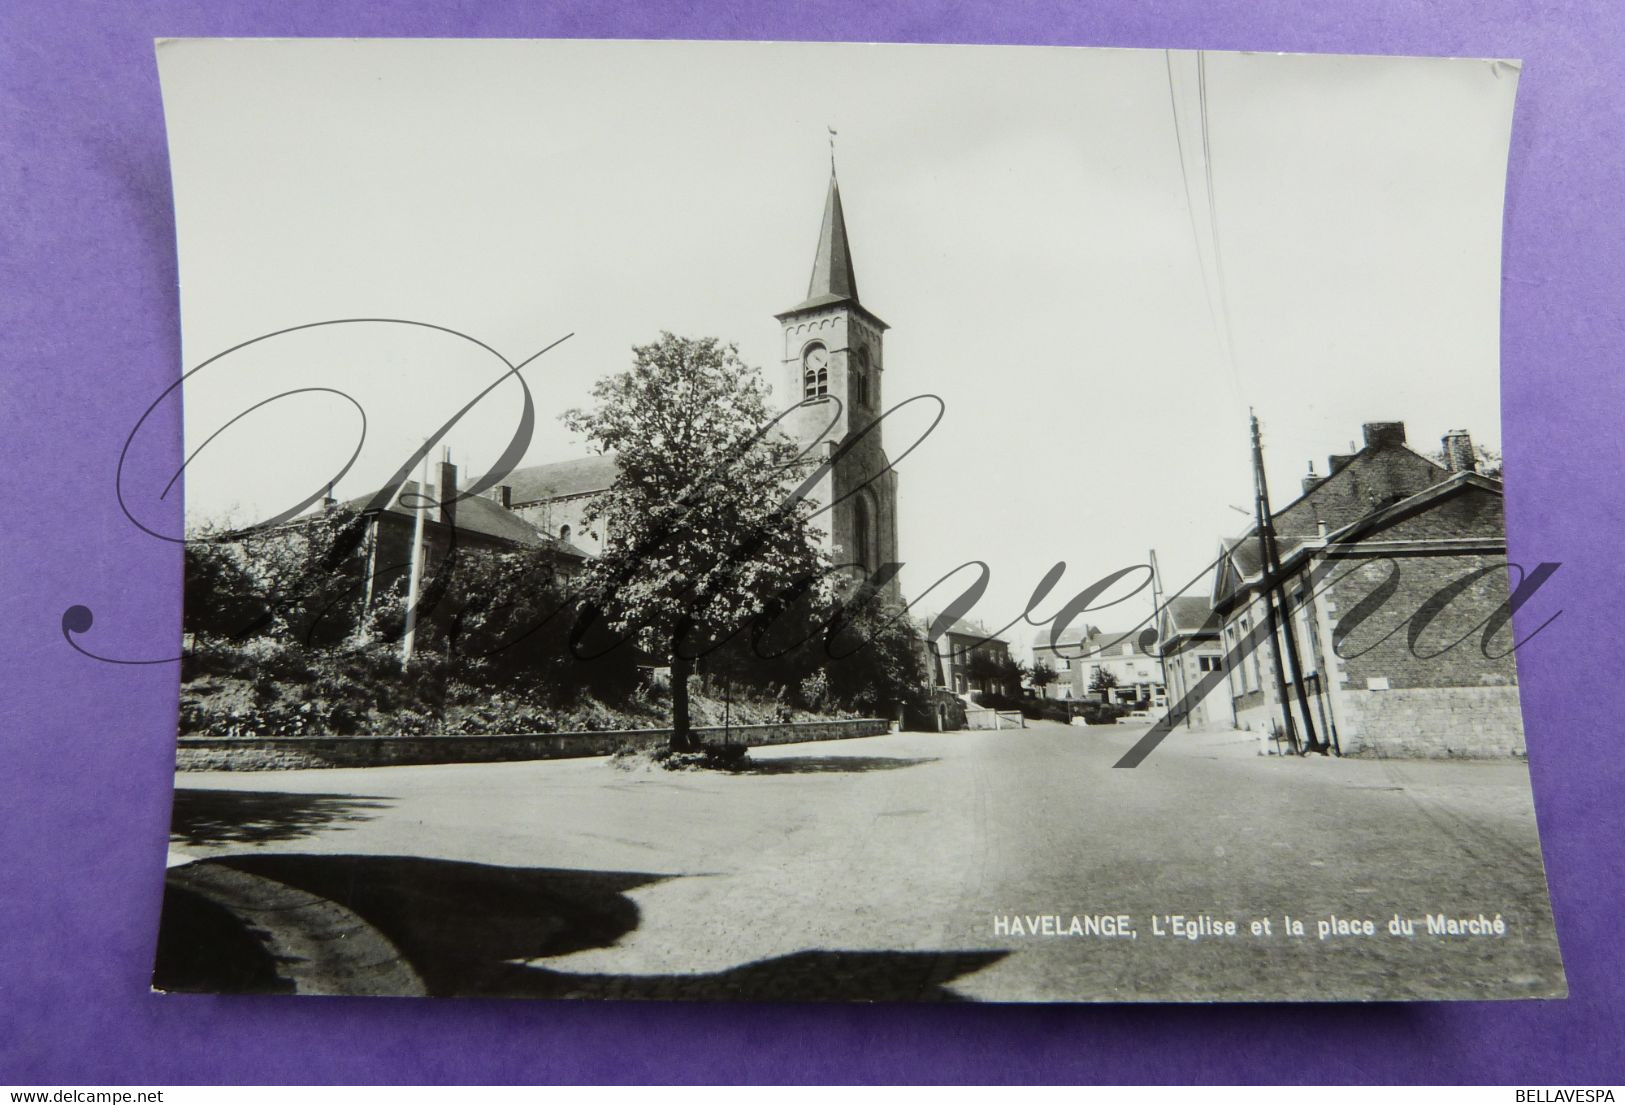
(1047,709)
(813,689)
(220,596)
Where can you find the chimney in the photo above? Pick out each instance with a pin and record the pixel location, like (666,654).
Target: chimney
(502,495)
(1311,481)
(1384,435)
(1336,462)
(1458,452)
(447,490)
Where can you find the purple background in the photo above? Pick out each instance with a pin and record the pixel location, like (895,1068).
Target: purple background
(90,336)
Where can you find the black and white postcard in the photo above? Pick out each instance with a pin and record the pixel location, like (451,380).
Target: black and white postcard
(839,522)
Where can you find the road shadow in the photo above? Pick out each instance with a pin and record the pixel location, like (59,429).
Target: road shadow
(203,817)
(819,975)
(813,765)
(205,948)
(462,926)
(476,930)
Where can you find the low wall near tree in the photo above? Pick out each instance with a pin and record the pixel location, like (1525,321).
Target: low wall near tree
(294,753)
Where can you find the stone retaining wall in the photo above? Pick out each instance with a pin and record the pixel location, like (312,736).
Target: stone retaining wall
(294,753)
(1435,722)
(1418,722)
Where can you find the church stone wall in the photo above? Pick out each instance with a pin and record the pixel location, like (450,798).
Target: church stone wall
(552,515)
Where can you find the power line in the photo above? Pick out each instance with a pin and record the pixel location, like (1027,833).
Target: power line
(1218,307)
(1213,213)
(1190,203)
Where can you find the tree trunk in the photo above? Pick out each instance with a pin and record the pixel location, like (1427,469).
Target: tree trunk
(682,735)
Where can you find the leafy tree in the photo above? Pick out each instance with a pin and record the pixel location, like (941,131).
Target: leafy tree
(869,654)
(221,597)
(503,618)
(302,582)
(1043,675)
(703,535)
(876,656)
(1102,682)
(997,669)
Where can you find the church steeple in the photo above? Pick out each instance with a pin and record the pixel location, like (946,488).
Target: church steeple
(834,281)
(832,274)
(832,385)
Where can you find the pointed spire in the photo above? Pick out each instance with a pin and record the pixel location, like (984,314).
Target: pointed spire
(833,279)
(832,273)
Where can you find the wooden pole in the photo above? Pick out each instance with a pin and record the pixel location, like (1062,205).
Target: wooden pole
(1157,613)
(1274,574)
(1265,526)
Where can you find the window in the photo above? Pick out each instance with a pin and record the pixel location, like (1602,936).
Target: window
(814,371)
(1207,663)
(1251,676)
(863,547)
(1306,639)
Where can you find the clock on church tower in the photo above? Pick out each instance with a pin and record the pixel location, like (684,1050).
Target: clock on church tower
(834,363)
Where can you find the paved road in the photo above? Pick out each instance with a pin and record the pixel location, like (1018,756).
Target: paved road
(878,868)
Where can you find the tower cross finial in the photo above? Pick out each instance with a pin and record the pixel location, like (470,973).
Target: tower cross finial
(831,148)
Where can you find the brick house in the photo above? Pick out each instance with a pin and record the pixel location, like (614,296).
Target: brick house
(1393,565)
(965,658)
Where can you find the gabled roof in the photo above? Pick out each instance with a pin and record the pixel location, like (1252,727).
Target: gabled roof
(1091,641)
(477,515)
(1070,636)
(959,627)
(1241,566)
(1246,553)
(1189,614)
(1108,643)
(1374,523)
(1384,472)
(581,476)
(1380,473)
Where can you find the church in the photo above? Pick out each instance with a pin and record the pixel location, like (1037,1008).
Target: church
(833,348)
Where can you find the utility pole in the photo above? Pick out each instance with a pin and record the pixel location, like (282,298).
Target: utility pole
(1157,614)
(1261,510)
(415,580)
(1275,588)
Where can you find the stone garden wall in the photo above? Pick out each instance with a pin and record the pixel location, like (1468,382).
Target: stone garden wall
(292,753)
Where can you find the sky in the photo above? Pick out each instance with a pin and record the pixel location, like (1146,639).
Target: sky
(1097,294)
